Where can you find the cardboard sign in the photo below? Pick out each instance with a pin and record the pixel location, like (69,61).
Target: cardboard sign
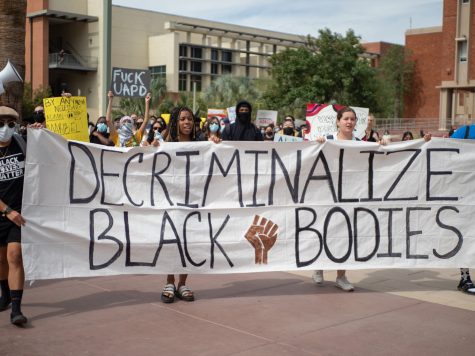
(233,207)
(321,120)
(67,117)
(220,113)
(266,117)
(130,83)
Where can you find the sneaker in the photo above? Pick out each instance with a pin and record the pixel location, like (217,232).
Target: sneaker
(343,283)
(318,276)
(466,286)
(4,304)
(18,319)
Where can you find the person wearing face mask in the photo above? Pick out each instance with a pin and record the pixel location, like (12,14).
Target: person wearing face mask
(154,136)
(126,135)
(288,128)
(211,130)
(12,165)
(269,133)
(100,133)
(242,129)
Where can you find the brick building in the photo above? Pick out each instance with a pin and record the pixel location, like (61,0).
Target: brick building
(444,80)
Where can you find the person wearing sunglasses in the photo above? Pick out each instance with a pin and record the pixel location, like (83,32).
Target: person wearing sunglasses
(12,165)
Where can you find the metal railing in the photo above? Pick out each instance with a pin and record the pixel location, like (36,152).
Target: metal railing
(69,61)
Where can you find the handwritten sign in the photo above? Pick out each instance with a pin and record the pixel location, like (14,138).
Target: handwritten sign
(199,207)
(286,138)
(67,117)
(132,83)
(266,117)
(321,120)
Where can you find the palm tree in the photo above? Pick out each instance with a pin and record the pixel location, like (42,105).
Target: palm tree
(226,91)
(12,45)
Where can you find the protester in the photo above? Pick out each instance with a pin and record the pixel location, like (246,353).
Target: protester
(407,136)
(126,135)
(211,131)
(269,133)
(288,127)
(345,122)
(12,276)
(155,134)
(224,122)
(181,129)
(242,129)
(100,134)
(370,134)
(465,285)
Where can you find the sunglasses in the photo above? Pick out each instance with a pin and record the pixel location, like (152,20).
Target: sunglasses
(10,124)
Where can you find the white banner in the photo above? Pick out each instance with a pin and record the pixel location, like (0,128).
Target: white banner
(200,207)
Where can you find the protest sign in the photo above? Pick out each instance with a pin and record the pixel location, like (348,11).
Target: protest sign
(220,113)
(200,207)
(232,114)
(131,83)
(67,117)
(321,120)
(266,117)
(286,138)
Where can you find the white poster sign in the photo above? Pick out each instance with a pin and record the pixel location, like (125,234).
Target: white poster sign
(200,207)
(266,117)
(286,138)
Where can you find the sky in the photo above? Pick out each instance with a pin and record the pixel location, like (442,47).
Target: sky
(372,20)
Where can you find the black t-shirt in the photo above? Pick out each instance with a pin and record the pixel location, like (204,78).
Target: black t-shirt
(12,170)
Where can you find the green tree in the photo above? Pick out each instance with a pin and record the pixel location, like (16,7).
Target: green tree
(226,91)
(329,68)
(33,98)
(396,72)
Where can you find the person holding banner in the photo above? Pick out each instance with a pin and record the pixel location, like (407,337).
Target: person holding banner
(126,135)
(211,130)
(12,165)
(242,129)
(181,128)
(345,122)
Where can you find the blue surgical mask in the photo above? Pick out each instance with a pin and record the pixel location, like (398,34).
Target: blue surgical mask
(102,127)
(214,127)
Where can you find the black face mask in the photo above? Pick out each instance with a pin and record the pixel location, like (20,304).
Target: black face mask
(288,131)
(244,117)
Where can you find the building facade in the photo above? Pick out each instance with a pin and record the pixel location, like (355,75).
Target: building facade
(444,81)
(73,45)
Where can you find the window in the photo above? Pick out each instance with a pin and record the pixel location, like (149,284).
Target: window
(183,65)
(183,51)
(226,69)
(462,50)
(465,1)
(227,56)
(214,68)
(158,71)
(196,52)
(182,82)
(196,67)
(214,55)
(196,79)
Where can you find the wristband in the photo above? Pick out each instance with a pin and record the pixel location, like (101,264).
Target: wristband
(6,211)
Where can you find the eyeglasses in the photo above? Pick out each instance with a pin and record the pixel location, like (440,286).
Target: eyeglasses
(10,124)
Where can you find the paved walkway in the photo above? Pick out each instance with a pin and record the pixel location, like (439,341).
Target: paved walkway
(392,312)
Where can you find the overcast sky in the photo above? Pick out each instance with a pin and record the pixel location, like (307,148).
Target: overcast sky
(372,20)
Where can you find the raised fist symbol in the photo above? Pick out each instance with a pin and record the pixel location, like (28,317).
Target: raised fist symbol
(262,235)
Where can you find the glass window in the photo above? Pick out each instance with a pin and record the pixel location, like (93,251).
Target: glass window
(196,52)
(214,55)
(182,82)
(158,71)
(196,79)
(196,67)
(214,68)
(227,56)
(183,65)
(226,69)
(465,1)
(183,51)
(462,50)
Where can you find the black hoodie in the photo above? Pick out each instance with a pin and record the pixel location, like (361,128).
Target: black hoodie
(242,129)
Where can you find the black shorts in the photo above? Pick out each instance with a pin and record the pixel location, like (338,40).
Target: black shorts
(9,232)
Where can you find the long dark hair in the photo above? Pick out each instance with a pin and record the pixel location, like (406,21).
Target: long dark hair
(173,131)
